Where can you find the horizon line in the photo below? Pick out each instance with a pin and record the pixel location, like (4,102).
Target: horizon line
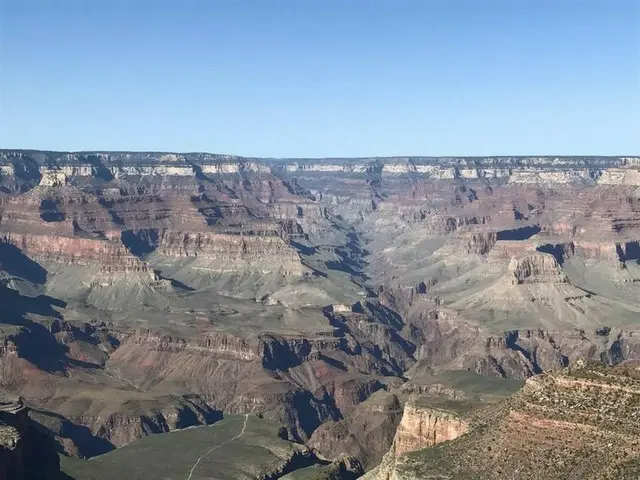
(329,157)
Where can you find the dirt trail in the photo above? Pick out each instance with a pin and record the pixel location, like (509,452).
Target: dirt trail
(213,449)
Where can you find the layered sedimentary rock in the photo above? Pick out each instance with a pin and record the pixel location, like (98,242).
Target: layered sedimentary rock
(422,427)
(302,290)
(105,255)
(247,447)
(235,373)
(437,409)
(366,432)
(580,422)
(84,426)
(604,170)
(232,253)
(536,268)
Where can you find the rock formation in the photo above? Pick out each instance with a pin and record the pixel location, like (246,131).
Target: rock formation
(422,427)
(577,423)
(145,292)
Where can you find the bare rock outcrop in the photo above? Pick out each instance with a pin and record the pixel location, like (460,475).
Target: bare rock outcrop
(480,243)
(366,433)
(577,422)
(108,256)
(423,427)
(232,253)
(86,427)
(536,268)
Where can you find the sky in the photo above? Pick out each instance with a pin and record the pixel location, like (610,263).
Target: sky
(322,78)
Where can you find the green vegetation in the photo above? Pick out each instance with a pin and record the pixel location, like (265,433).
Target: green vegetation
(459,408)
(224,449)
(473,384)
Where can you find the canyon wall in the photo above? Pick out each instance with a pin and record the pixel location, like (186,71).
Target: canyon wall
(421,427)
(58,168)
(178,286)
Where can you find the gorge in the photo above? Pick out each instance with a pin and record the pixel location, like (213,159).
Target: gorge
(324,299)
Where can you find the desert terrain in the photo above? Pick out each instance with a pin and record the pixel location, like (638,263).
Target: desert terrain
(312,318)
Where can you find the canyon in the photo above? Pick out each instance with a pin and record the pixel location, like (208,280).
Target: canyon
(363,308)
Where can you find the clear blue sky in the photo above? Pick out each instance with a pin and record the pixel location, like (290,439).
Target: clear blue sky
(322,77)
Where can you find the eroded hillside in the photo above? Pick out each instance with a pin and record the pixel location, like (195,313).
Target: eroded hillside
(147,292)
(580,422)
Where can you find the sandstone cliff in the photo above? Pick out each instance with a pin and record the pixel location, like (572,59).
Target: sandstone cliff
(421,426)
(559,170)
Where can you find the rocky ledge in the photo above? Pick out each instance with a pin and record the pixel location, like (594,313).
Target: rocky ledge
(579,422)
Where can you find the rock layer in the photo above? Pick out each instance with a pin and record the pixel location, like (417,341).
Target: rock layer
(176,285)
(578,422)
(425,427)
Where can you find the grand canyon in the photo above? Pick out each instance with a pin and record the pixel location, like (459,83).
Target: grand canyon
(196,316)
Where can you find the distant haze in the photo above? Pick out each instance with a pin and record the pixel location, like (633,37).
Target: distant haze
(322,78)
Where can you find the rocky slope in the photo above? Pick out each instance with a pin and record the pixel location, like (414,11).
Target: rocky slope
(438,408)
(423,411)
(146,292)
(580,422)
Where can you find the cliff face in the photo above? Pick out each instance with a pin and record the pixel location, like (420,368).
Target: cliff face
(421,427)
(248,446)
(425,427)
(536,268)
(59,166)
(108,212)
(108,256)
(85,427)
(451,343)
(231,253)
(366,432)
(284,378)
(25,453)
